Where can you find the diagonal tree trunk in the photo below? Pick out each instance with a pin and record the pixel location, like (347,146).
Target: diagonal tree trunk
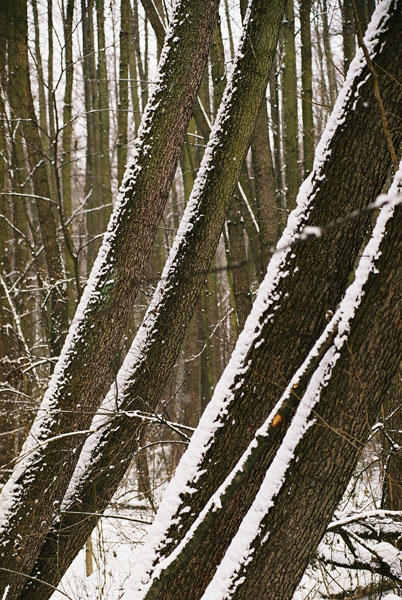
(88,361)
(159,340)
(306,478)
(304,284)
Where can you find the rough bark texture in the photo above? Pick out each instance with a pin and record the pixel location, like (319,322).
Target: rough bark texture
(328,453)
(178,294)
(314,278)
(88,362)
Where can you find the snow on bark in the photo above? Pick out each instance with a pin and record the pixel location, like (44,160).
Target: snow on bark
(159,338)
(87,361)
(230,572)
(267,302)
(205,201)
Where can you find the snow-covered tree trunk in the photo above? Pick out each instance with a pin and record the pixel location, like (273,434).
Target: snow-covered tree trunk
(88,361)
(308,475)
(304,284)
(156,347)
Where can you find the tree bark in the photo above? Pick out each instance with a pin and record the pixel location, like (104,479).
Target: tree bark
(122,114)
(88,362)
(24,108)
(174,301)
(103,93)
(303,284)
(307,87)
(347,35)
(289,108)
(331,426)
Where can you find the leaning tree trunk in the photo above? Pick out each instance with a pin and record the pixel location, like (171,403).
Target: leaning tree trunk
(306,478)
(160,337)
(88,362)
(304,284)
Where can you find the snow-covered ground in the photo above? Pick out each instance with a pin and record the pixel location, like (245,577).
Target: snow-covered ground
(118,541)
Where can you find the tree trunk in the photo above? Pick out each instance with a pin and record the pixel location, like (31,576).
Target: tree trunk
(18,46)
(276,134)
(289,107)
(88,362)
(307,87)
(305,481)
(73,286)
(95,220)
(347,35)
(174,301)
(122,109)
(328,54)
(304,284)
(103,94)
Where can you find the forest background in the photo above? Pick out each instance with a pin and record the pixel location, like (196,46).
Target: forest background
(75,81)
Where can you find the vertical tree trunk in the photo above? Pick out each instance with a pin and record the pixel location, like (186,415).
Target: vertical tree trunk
(276,133)
(74,287)
(267,208)
(47,221)
(122,109)
(289,103)
(103,93)
(347,34)
(328,54)
(93,178)
(135,101)
(306,87)
(392,419)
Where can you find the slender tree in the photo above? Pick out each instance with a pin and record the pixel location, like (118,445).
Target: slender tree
(23,108)
(104,104)
(88,362)
(122,114)
(159,340)
(289,108)
(307,86)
